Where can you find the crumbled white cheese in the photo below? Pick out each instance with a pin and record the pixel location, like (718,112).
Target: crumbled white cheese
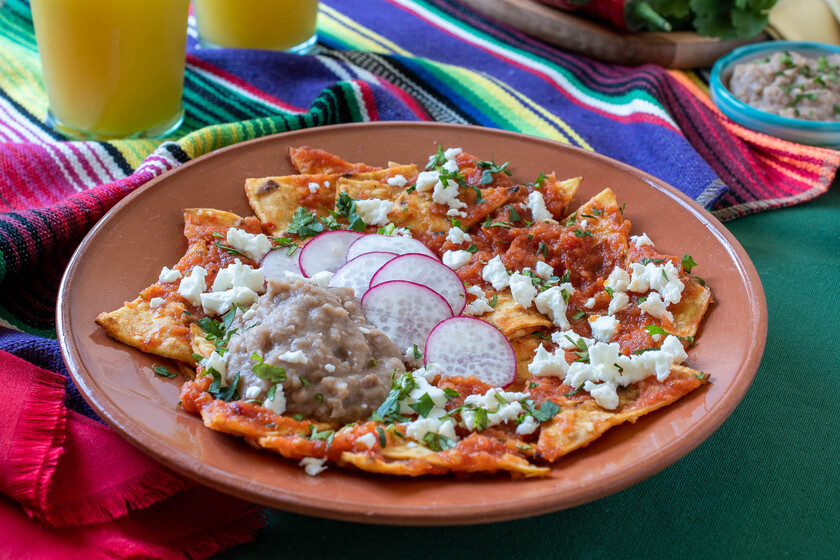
(451,166)
(618,302)
(618,280)
(663,279)
(313,187)
(423,387)
(547,364)
(330,368)
(457,235)
(608,369)
(480,305)
(252,392)
(374,211)
(456,259)
(253,246)
(501,406)
(408,357)
(603,327)
(544,270)
(528,425)
(641,240)
(169,275)
(536,204)
(238,275)
(294,276)
(583,224)
(278,403)
(403,231)
(219,363)
(447,195)
(397,181)
(495,273)
(655,307)
(552,304)
(156,302)
(451,153)
(322,278)
(426,180)
(570,340)
(296,357)
(522,289)
(367,441)
(452,212)
(313,465)
(252,311)
(418,429)
(193,285)
(590,303)
(219,303)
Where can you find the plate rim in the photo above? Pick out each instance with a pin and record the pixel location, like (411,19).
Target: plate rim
(394,514)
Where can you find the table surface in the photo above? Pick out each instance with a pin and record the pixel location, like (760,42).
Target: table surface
(765,485)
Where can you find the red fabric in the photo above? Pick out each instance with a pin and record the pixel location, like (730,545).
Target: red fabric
(89,493)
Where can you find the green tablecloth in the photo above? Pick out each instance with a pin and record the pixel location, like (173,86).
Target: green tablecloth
(766,484)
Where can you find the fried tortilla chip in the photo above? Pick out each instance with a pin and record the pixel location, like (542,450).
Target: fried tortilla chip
(165,329)
(513,320)
(312,161)
(275,199)
(581,421)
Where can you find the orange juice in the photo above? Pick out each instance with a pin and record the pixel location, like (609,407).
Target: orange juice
(286,25)
(113,68)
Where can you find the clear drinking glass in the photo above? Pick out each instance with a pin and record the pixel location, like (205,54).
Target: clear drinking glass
(113,68)
(283,25)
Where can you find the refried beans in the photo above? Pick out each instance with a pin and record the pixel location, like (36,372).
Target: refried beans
(338,366)
(790,85)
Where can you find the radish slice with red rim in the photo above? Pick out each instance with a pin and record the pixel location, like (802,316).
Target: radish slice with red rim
(406,312)
(326,251)
(356,273)
(469,346)
(386,243)
(427,271)
(277,262)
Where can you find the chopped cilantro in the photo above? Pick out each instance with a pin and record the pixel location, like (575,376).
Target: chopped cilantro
(272,391)
(580,313)
(383,440)
(700,375)
(163,371)
(490,167)
(438,442)
(304,223)
(423,405)
(541,179)
(688,263)
(346,206)
(451,393)
(481,419)
(543,248)
(230,250)
(514,215)
(574,392)
(545,412)
(297,417)
(326,435)
(319,398)
(275,374)
(571,219)
(436,160)
(472,248)
(532,385)
(582,233)
(222,393)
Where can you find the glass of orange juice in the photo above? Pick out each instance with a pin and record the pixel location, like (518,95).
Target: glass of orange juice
(283,25)
(113,68)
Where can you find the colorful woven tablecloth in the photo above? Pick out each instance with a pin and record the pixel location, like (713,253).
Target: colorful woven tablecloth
(375,60)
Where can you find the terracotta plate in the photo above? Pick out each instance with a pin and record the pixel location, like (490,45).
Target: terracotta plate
(126,250)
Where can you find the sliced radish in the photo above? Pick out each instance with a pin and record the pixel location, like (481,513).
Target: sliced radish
(406,312)
(386,243)
(429,272)
(326,251)
(276,262)
(356,273)
(469,346)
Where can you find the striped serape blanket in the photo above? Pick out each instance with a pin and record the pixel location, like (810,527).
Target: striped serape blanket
(375,60)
